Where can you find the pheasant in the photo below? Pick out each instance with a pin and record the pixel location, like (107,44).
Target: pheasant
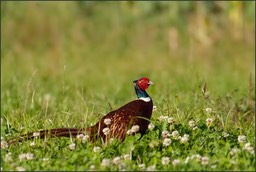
(131,118)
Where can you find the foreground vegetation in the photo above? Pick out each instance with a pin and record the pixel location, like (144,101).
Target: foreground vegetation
(67,65)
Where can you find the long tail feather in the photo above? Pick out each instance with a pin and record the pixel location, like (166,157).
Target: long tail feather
(56,132)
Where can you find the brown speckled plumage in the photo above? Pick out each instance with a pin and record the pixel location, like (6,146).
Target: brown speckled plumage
(137,112)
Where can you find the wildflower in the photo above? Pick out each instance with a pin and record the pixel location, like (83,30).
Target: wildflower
(142,166)
(8,157)
(19,168)
(163,118)
(151,126)
(208,110)
(72,146)
(192,123)
(36,134)
(175,134)
(116,160)
(92,167)
(175,162)
(85,138)
(105,162)
(241,138)
(4,144)
(165,160)
(170,120)
(167,141)
(225,134)
(127,157)
(107,121)
(209,121)
(153,143)
(151,168)
(79,136)
(32,143)
(135,128)
(26,156)
(154,108)
(106,131)
(129,132)
(184,139)
(96,149)
(205,160)
(234,151)
(165,134)
(249,148)
(197,156)
(194,128)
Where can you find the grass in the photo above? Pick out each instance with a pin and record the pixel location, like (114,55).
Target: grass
(75,76)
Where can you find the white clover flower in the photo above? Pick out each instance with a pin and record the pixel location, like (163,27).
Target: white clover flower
(142,166)
(105,162)
(129,132)
(22,156)
(116,160)
(197,156)
(4,144)
(175,162)
(194,128)
(249,148)
(107,121)
(8,157)
(135,128)
(79,136)
(151,168)
(234,151)
(167,141)
(208,110)
(163,118)
(36,134)
(96,149)
(204,160)
(106,131)
(30,156)
(209,121)
(19,168)
(241,138)
(92,167)
(225,134)
(151,126)
(72,146)
(165,160)
(127,157)
(26,156)
(192,123)
(175,134)
(153,143)
(165,134)
(184,139)
(85,138)
(170,120)
(32,144)
(154,108)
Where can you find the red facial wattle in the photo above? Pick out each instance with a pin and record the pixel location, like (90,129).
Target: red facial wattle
(143,83)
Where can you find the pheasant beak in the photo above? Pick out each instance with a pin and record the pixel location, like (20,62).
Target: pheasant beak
(150,83)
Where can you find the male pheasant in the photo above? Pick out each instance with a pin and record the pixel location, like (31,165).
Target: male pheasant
(117,123)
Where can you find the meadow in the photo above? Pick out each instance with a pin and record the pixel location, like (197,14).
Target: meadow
(67,64)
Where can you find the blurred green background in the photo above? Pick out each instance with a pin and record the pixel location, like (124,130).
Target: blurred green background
(92,51)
